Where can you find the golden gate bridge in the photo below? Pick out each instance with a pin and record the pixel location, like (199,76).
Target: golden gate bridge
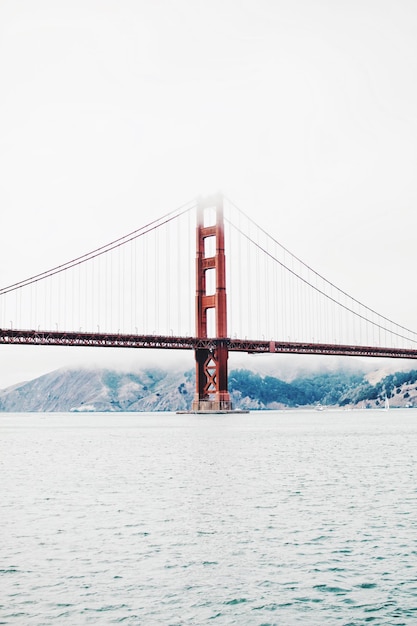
(204,277)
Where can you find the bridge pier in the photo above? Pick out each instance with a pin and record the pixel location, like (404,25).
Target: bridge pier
(211,393)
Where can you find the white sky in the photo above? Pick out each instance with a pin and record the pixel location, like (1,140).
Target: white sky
(303,112)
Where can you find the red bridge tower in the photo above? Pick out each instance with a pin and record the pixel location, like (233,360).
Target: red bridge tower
(212,393)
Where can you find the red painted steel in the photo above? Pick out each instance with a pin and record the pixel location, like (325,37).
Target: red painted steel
(200,344)
(211,363)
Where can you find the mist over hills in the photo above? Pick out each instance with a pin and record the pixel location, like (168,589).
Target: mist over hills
(158,389)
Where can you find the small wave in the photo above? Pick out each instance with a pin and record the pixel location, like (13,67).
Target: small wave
(330,589)
(235,601)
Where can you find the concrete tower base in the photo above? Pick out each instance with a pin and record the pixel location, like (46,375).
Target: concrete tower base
(212,406)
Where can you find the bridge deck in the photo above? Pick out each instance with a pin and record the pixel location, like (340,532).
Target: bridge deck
(109,340)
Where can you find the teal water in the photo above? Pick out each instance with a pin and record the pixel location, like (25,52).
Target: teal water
(269,518)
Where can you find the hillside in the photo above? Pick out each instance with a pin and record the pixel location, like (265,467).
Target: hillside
(159,390)
(99,390)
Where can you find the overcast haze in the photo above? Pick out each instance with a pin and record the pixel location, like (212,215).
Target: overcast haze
(304,113)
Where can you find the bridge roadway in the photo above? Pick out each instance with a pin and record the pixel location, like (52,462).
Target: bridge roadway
(116,340)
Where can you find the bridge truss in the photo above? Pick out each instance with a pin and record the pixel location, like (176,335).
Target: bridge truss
(170,342)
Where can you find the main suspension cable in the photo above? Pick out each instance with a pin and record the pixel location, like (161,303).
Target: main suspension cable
(117,243)
(323,293)
(328,282)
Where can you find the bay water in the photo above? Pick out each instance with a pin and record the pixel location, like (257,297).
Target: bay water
(295,517)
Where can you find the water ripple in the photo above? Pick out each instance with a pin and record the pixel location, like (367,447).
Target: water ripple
(277,518)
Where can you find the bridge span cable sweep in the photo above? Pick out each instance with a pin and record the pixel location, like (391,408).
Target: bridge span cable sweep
(314,283)
(139,290)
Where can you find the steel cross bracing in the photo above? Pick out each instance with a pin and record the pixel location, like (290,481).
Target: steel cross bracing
(105,340)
